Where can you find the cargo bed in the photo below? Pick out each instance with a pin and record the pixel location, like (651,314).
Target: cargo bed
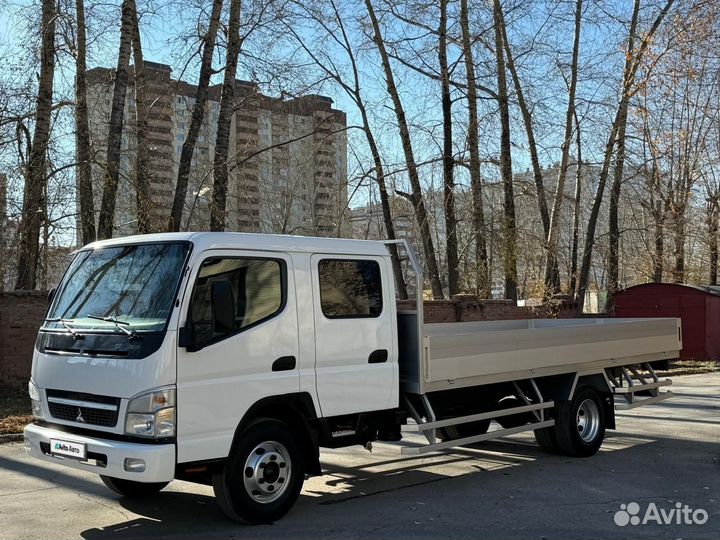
(474,353)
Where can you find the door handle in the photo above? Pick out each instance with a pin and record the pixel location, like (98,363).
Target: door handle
(284,363)
(378,357)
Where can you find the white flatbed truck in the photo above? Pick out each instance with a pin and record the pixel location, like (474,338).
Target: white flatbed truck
(230,359)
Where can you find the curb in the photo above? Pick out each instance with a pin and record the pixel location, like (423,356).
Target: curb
(11,437)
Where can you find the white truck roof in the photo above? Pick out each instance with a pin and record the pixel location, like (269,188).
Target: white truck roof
(252,241)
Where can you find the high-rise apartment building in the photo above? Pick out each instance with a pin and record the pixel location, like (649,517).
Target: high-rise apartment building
(287,158)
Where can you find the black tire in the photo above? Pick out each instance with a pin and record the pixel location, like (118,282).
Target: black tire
(255,504)
(580,423)
(460,431)
(546,439)
(130,488)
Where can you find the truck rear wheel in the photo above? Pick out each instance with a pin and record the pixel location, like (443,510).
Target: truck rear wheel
(513,420)
(580,423)
(460,431)
(263,476)
(130,488)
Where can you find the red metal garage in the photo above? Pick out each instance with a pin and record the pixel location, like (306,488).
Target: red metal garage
(697,307)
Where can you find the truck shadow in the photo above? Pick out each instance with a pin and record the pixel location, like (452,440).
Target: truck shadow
(495,468)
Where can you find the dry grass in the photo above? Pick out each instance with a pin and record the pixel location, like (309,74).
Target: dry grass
(14,410)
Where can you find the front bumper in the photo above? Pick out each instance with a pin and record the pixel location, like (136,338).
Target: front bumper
(105,457)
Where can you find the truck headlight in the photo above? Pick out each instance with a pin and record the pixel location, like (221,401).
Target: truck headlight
(35,400)
(152,414)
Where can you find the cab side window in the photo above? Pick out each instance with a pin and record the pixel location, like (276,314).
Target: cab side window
(350,289)
(258,288)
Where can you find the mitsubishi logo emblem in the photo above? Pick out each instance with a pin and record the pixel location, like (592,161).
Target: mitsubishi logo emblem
(79,417)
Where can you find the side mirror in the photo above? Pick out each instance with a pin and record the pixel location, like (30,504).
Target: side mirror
(51,295)
(223,307)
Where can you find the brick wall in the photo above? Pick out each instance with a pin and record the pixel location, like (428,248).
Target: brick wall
(21,313)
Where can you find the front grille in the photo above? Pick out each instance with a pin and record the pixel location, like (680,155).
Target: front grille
(83,412)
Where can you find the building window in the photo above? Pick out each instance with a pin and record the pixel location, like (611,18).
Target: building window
(259,293)
(350,289)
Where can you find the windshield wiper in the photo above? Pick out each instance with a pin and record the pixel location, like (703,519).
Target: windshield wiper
(120,324)
(65,323)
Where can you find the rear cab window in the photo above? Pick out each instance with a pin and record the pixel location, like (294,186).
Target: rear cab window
(350,288)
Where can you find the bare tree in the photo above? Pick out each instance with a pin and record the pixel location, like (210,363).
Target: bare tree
(36,171)
(576,205)
(552,279)
(451,243)
(227,107)
(416,196)
(196,120)
(713,224)
(509,231)
(82,131)
(117,113)
(142,147)
(527,117)
(482,281)
(633,58)
(613,222)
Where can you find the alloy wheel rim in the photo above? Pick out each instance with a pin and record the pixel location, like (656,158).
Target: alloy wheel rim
(587,420)
(267,471)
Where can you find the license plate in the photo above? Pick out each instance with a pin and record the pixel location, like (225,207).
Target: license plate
(69,449)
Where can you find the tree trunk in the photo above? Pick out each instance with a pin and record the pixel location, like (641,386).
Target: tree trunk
(448,160)
(713,219)
(613,269)
(384,201)
(583,278)
(576,206)
(482,281)
(679,237)
(416,197)
(36,173)
(529,130)
(142,159)
(198,114)
(659,255)
(552,279)
(82,133)
(509,232)
(114,138)
(227,107)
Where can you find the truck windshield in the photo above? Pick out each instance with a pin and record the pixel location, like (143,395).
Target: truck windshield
(135,284)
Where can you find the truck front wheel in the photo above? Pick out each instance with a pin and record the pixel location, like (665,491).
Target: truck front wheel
(263,476)
(580,423)
(130,488)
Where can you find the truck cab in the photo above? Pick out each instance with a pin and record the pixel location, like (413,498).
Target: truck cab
(162,356)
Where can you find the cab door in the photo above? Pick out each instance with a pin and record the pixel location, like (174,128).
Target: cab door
(355,357)
(237,365)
